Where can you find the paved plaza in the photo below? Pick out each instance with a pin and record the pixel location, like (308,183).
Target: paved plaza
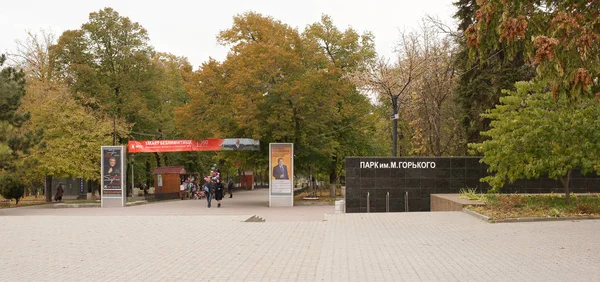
(185,241)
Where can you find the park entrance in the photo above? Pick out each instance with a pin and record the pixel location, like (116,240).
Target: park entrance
(168,179)
(406,184)
(280,160)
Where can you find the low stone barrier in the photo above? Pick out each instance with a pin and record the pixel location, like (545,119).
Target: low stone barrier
(450,202)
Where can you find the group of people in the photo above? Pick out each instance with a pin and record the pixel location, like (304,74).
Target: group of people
(213,186)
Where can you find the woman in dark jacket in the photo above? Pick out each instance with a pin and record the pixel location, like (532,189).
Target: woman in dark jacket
(59,193)
(219,189)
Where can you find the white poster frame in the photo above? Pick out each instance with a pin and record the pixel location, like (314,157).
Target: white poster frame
(276,197)
(111,200)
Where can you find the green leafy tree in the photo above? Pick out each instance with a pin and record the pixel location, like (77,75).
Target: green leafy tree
(168,92)
(11,187)
(562,38)
(107,61)
(532,135)
(12,142)
(483,76)
(72,137)
(278,85)
(335,54)
(110,67)
(257,92)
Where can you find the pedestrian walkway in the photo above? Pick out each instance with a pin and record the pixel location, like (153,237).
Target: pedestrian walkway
(243,203)
(161,242)
(448,246)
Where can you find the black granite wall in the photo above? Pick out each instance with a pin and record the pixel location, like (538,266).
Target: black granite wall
(420,179)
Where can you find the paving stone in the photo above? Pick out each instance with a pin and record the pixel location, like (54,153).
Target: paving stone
(443,246)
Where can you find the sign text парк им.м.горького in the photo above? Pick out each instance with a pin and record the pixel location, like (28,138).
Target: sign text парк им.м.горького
(394,164)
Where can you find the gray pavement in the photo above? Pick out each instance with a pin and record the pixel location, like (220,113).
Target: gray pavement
(158,242)
(242,203)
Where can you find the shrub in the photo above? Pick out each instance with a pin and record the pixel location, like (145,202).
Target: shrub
(471,194)
(554,212)
(586,208)
(11,187)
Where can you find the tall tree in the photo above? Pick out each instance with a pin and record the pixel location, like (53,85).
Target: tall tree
(561,37)
(483,76)
(12,142)
(335,54)
(392,82)
(107,60)
(532,135)
(278,85)
(34,57)
(431,111)
(72,134)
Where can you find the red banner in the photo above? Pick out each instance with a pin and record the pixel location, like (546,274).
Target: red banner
(208,145)
(191,145)
(160,146)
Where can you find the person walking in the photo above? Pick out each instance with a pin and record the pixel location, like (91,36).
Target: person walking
(219,189)
(181,190)
(208,191)
(230,187)
(59,193)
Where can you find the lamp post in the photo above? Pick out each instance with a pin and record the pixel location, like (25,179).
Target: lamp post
(132,181)
(395,126)
(114,130)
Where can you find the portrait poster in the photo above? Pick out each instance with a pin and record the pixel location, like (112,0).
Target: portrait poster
(281,169)
(240,144)
(113,171)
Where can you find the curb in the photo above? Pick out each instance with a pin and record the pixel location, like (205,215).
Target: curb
(63,205)
(136,203)
(313,203)
(478,215)
(534,219)
(95,205)
(527,219)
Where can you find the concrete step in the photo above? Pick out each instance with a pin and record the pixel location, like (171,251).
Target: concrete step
(255,218)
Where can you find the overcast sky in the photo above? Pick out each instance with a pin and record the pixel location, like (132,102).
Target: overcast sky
(189,28)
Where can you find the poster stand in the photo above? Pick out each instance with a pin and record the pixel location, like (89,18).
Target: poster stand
(281,175)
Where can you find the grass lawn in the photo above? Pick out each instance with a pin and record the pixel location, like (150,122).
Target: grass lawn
(501,206)
(82,202)
(26,201)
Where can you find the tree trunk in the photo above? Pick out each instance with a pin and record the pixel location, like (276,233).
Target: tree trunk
(240,176)
(438,133)
(148,174)
(245,181)
(395,127)
(333,176)
(48,189)
(157,159)
(565,182)
(115,116)
(310,182)
(114,130)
